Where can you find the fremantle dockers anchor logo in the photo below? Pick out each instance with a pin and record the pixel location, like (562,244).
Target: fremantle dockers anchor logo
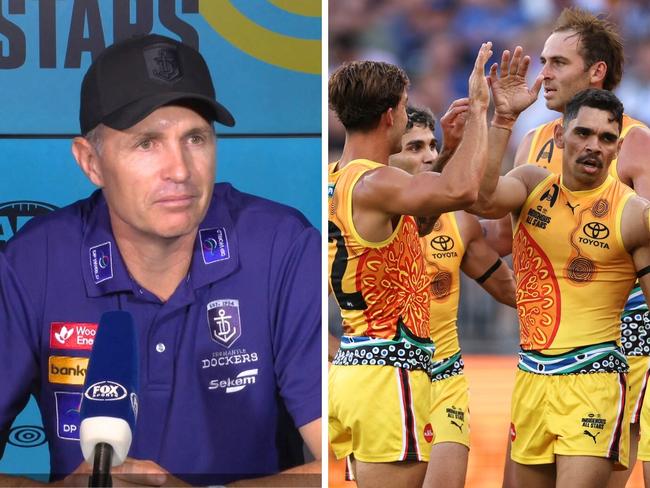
(224,322)
(162,63)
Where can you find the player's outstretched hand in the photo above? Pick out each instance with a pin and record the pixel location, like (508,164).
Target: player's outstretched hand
(453,123)
(478,86)
(510,92)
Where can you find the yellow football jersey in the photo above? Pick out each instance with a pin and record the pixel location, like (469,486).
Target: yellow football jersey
(378,285)
(573,273)
(443,250)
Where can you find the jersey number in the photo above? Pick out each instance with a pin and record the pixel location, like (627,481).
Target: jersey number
(347,301)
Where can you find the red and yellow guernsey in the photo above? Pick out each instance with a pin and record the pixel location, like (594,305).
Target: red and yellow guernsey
(378,285)
(573,273)
(543,152)
(443,251)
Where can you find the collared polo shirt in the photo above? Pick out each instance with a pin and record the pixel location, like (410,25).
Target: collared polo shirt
(229,365)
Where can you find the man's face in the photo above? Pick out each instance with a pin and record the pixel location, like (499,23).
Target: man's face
(419,151)
(565,73)
(158,175)
(400,120)
(590,142)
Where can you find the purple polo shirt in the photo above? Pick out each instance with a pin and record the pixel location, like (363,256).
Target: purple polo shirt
(229,365)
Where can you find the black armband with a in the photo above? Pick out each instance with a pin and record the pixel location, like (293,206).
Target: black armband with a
(484,277)
(643,272)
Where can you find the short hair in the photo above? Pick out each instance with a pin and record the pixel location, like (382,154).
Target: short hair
(361,91)
(594,98)
(420,116)
(598,39)
(95,137)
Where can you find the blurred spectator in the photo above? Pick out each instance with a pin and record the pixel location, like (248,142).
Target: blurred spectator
(435,41)
(635,87)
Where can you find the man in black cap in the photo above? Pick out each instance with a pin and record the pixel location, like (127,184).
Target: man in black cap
(224,287)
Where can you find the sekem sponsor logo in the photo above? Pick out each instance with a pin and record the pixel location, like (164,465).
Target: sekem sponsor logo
(233,385)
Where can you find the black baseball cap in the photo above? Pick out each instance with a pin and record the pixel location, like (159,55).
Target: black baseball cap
(134,77)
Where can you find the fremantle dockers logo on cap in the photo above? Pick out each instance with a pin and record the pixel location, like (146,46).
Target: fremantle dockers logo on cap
(224,322)
(162,63)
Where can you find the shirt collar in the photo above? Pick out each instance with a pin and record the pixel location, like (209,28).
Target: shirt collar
(216,247)
(102,266)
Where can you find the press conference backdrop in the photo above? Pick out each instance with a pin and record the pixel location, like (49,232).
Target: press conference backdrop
(265,58)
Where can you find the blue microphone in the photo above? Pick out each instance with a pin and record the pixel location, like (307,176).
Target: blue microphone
(109,406)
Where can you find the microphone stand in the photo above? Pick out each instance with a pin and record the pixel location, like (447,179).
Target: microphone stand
(102,466)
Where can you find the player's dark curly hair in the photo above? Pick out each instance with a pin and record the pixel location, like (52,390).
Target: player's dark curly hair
(594,98)
(361,91)
(599,41)
(421,116)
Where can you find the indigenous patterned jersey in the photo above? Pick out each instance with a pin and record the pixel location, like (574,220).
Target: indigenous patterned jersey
(543,152)
(443,251)
(378,285)
(573,273)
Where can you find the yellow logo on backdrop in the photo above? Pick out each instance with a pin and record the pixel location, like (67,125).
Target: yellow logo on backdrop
(67,370)
(277,49)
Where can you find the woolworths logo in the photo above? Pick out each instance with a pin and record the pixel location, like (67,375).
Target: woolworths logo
(66,370)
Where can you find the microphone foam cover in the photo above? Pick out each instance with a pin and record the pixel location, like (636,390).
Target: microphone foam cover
(109,405)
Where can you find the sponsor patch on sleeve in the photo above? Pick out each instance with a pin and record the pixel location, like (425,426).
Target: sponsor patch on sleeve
(72,335)
(67,414)
(64,370)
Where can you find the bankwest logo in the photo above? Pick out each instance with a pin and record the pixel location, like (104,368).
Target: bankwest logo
(72,335)
(66,370)
(232,385)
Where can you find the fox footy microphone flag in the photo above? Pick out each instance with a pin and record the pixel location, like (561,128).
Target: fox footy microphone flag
(109,406)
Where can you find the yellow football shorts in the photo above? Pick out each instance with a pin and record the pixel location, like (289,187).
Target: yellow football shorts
(570,415)
(379,413)
(637,379)
(450,410)
(639,408)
